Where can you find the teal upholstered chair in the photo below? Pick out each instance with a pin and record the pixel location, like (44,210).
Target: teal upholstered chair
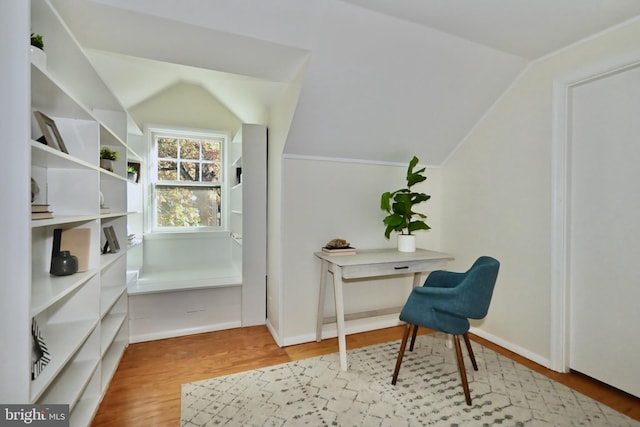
(445,303)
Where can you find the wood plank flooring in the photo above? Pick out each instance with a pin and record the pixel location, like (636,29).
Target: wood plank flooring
(145,390)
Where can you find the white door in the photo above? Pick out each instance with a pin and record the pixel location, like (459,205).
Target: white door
(604,230)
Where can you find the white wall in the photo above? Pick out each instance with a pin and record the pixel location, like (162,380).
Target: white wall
(187,251)
(15,118)
(497,194)
(323,200)
(185,105)
(280,120)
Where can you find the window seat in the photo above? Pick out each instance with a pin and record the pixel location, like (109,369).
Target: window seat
(175,280)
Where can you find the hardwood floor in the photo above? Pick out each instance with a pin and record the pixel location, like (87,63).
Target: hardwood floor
(145,390)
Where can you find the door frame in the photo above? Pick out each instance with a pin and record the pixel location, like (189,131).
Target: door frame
(560,197)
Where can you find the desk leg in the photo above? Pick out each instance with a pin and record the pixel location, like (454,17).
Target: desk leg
(417,279)
(323,288)
(342,342)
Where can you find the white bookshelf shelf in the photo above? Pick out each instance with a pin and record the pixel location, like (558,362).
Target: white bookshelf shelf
(62,220)
(63,340)
(110,294)
(75,378)
(113,215)
(47,157)
(48,290)
(110,327)
(107,259)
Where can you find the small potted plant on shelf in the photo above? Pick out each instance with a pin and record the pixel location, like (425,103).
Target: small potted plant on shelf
(399,206)
(36,50)
(132,174)
(107,157)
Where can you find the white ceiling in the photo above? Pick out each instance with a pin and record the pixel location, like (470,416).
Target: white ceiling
(385,78)
(527,28)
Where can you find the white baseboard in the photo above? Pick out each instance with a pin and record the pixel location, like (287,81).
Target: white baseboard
(274,333)
(370,324)
(546,362)
(182,332)
(351,327)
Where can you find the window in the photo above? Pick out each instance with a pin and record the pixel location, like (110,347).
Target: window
(186,173)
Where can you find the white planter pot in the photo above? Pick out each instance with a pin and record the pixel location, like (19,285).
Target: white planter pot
(38,57)
(406,243)
(106,164)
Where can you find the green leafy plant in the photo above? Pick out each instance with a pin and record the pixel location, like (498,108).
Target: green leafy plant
(130,169)
(109,154)
(399,205)
(36,41)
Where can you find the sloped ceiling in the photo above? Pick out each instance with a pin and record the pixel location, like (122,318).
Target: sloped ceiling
(386,79)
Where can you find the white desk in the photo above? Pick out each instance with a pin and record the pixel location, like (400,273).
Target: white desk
(369,263)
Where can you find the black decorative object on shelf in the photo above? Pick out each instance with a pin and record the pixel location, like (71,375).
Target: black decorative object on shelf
(40,356)
(64,264)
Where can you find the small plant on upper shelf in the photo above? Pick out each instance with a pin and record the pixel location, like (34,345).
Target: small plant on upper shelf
(132,174)
(36,41)
(107,157)
(107,153)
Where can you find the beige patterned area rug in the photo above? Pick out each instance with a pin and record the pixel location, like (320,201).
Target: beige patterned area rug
(315,392)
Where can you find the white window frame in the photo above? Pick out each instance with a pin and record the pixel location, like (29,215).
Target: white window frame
(153,182)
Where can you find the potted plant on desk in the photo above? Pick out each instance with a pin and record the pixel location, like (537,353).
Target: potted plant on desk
(399,206)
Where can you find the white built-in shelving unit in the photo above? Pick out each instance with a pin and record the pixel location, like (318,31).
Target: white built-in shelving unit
(249,225)
(83,317)
(135,207)
(235,196)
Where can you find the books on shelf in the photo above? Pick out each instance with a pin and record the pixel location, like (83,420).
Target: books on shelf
(39,208)
(40,212)
(41,215)
(339,251)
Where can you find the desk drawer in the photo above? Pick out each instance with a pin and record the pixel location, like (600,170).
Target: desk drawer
(391,268)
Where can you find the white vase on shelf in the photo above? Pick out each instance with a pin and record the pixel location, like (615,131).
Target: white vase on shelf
(406,243)
(38,57)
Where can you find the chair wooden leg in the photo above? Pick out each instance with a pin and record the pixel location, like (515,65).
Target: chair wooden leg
(471,356)
(405,337)
(413,337)
(461,368)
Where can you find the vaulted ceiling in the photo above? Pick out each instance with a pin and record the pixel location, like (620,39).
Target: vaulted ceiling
(383,79)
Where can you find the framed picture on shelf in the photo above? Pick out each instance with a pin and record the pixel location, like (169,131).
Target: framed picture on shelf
(112,245)
(50,132)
